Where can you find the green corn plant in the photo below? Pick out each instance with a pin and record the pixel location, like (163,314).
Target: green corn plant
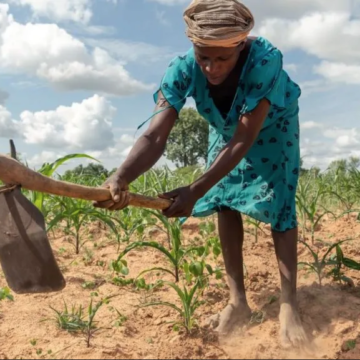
(194,264)
(256,224)
(175,256)
(131,221)
(346,188)
(210,239)
(48,169)
(75,213)
(194,271)
(320,263)
(157,181)
(91,327)
(337,260)
(190,302)
(308,198)
(207,229)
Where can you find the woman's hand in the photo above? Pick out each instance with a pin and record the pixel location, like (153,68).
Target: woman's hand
(119,193)
(184,202)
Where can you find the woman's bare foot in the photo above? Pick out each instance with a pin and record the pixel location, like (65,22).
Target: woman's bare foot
(292,332)
(229,318)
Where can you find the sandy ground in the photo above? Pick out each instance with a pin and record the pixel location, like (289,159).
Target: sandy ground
(330,312)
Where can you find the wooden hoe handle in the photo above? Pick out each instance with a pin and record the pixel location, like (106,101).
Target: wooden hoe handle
(14,173)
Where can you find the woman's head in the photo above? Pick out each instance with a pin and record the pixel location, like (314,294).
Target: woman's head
(218,29)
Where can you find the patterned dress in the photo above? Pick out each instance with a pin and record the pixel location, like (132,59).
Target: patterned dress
(263,185)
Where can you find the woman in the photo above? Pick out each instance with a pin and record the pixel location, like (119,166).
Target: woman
(251,104)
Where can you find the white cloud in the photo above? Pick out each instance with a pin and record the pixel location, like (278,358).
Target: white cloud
(348,141)
(291,67)
(126,151)
(324,35)
(37,160)
(52,54)
(307,125)
(171,2)
(85,126)
(335,132)
(127,139)
(25,84)
(328,30)
(190,103)
(314,86)
(9,128)
(283,9)
(339,72)
(131,51)
(161,17)
(93,30)
(325,145)
(331,36)
(61,10)
(295,9)
(3,97)
(81,126)
(5,19)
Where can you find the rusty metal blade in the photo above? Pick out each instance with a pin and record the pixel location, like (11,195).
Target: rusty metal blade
(26,256)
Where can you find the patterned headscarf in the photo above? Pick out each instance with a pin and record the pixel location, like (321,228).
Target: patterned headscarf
(218,23)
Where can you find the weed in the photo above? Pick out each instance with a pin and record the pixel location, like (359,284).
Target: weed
(5,294)
(75,321)
(71,321)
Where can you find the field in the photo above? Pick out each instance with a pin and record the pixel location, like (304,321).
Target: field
(141,286)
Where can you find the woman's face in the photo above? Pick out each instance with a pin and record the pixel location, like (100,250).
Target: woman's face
(216,63)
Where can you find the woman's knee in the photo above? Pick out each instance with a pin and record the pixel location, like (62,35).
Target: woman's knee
(226,214)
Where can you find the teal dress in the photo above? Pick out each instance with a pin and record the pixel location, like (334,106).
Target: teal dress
(263,185)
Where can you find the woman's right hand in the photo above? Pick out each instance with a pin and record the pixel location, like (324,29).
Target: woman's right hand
(119,193)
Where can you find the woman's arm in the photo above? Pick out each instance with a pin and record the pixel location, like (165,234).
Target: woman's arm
(151,145)
(145,153)
(247,131)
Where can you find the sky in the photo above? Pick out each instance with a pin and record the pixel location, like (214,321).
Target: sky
(78,76)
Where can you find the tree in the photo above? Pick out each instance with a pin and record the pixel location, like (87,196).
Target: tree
(188,141)
(344,165)
(92,170)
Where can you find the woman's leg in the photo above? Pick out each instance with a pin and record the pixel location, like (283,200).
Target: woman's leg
(291,330)
(231,234)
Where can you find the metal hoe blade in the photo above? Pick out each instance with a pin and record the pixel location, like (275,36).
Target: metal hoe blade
(26,256)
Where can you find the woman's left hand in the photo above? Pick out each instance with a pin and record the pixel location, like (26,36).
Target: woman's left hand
(184,202)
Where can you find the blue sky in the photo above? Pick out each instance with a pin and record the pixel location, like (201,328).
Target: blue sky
(88,68)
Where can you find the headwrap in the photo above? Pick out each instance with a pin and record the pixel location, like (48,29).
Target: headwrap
(218,23)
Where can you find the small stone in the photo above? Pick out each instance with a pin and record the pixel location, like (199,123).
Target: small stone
(166,314)
(211,355)
(199,350)
(345,327)
(315,333)
(175,339)
(149,315)
(158,322)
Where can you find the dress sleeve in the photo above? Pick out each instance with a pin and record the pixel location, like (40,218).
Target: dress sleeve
(267,79)
(176,83)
